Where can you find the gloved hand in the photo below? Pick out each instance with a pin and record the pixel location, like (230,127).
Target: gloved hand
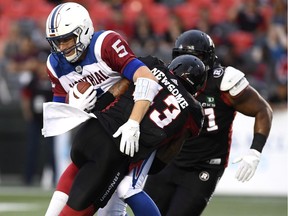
(130,131)
(248,165)
(86,101)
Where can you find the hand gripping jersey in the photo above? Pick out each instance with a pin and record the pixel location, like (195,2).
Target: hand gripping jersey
(107,59)
(173,116)
(212,146)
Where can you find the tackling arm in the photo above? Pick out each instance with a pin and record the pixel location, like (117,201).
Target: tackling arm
(246,100)
(146,88)
(250,103)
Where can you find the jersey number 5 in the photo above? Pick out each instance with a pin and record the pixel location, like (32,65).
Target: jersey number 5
(119,49)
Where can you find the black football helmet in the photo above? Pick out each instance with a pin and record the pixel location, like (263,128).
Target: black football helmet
(190,71)
(197,43)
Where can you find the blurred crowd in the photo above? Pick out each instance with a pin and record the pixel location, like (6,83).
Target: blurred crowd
(251,35)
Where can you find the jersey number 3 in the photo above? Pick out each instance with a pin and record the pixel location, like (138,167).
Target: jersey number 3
(170,113)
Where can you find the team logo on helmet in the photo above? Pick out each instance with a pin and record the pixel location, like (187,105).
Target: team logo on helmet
(204,176)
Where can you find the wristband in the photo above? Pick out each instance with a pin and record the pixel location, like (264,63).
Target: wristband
(146,89)
(258,142)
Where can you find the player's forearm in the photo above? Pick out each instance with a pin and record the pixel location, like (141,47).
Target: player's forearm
(263,121)
(146,88)
(262,127)
(139,110)
(119,87)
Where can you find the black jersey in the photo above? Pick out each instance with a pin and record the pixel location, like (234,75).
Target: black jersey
(212,146)
(173,116)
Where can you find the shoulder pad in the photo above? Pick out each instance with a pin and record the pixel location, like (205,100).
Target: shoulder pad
(230,78)
(233,80)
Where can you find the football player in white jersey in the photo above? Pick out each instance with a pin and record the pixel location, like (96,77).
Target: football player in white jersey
(102,58)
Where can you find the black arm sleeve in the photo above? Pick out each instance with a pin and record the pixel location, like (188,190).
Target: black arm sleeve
(104,101)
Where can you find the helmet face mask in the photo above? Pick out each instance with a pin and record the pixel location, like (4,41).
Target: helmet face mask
(76,48)
(197,43)
(190,71)
(66,21)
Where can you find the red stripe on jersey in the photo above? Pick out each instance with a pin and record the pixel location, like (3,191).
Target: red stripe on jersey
(57,88)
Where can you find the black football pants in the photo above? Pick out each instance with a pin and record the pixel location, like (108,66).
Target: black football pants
(101,166)
(181,192)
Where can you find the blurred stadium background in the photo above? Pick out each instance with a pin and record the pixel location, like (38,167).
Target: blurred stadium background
(257,46)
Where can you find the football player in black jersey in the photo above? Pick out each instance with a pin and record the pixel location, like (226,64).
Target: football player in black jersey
(130,190)
(173,116)
(185,186)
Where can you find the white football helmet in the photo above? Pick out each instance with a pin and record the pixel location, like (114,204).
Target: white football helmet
(66,20)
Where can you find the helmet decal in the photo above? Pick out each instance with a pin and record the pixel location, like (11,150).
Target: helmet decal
(53,19)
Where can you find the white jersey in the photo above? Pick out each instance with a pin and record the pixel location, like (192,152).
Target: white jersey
(108,59)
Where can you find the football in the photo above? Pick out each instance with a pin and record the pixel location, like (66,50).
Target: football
(81,87)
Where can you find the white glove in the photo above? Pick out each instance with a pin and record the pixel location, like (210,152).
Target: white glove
(248,165)
(86,101)
(130,131)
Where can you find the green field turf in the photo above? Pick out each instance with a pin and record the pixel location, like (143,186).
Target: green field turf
(21,201)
